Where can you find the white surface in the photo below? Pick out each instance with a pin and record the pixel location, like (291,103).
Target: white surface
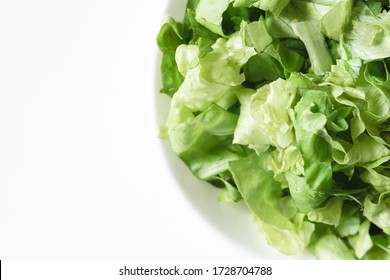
(82,175)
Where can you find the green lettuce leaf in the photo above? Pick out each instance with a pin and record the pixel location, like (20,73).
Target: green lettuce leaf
(262,194)
(336,21)
(319,55)
(362,243)
(379,213)
(369,37)
(329,214)
(209,14)
(274,6)
(313,189)
(204,143)
(331,247)
(168,40)
(262,122)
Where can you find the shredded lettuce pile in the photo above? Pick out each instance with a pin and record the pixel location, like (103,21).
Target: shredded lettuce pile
(284,104)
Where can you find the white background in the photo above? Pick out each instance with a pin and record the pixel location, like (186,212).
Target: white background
(82,175)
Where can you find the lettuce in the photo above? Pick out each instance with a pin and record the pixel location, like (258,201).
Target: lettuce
(315,44)
(262,194)
(264,119)
(285,105)
(369,36)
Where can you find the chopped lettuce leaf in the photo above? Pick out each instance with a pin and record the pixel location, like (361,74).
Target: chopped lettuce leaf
(274,6)
(264,119)
(329,214)
(168,40)
(362,243)
(369,37)
(205,142)
(337,20)
(330,247)
(320,58)
(379,213)
(209,14)
(262,194)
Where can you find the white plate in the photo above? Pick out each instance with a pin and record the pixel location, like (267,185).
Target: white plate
(233,220)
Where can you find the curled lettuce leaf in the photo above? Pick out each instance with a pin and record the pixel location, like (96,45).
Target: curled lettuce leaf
(205,142)
(274,6)
(209,14)
(262,194)
(379,213)
(314,41)
(336,21)
(369,37)
(264,119)
(331,247)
